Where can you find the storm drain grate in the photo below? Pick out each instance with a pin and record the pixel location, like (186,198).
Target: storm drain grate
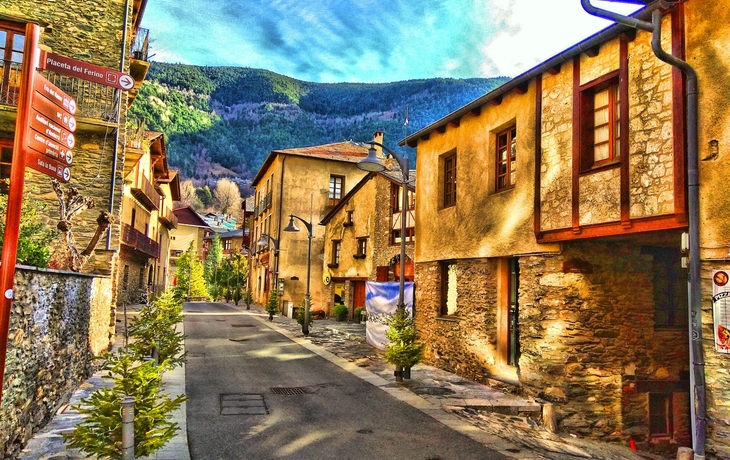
(290,391)
(242,325)
(243,404)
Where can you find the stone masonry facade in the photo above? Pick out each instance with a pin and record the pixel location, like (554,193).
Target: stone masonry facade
(587,340)
(58,322)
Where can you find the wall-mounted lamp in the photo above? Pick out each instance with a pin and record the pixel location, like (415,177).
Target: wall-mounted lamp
(714,150)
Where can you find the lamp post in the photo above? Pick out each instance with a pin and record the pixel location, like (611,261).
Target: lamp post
(307,296)
(372,163)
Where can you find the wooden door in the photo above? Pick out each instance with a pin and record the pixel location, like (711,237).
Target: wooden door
(358,294)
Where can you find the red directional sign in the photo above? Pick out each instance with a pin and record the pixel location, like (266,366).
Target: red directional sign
(54,131)
(47,89)
(85,71)
(55,113)
(53,149)
(45,165)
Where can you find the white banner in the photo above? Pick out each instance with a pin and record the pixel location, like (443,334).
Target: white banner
(721,310)
(381,301)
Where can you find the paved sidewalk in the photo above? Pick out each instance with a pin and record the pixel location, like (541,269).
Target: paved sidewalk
(504,422)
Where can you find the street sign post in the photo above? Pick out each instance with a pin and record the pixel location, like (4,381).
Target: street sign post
(41,144)
(85,71)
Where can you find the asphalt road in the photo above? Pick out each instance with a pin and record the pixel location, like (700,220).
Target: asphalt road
(255,394)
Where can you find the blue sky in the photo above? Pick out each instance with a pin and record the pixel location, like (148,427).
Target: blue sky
(369,40)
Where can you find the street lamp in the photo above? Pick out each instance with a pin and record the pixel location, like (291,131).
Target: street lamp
(307,296)
(372,163)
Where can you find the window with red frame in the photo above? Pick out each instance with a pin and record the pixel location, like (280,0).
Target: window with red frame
(506,158)
(601,134)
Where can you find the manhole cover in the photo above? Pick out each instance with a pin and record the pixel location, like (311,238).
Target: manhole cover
(289,391)
(242,325)
(243,404)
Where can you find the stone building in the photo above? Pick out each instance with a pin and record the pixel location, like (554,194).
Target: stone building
(293,181)
(362,238)
(150,188)
(557,266)
(61,318)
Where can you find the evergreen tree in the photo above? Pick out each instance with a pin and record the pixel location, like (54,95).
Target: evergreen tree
(272,307)
(190,275)
(213,277)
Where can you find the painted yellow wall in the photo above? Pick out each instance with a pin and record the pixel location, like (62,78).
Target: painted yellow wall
(483,223)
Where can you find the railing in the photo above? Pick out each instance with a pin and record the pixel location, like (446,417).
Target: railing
(146,193)
(141,44)
(263,205)
(93,100)
(139,241)
(167,217)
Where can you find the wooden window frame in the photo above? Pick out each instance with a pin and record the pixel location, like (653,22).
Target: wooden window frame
(449,180)
(444,267)
(12,30)
(336,189)
(362,247)
(510,148)
(610,82)
(6,161)
(657,400)
(335,256)
(395,235)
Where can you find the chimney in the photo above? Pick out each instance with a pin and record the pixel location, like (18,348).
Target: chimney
(378,137)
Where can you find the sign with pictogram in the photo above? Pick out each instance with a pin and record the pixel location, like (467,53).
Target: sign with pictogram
(85,71)
(45,88)
(55,113)
(54,131)
(48,166)
(41,144)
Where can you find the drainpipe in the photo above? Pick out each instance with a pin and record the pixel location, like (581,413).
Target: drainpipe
(115,150)
(697,367)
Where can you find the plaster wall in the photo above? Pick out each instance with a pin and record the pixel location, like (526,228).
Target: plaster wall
(483,223)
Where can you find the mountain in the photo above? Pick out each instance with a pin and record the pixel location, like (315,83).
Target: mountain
(225,120)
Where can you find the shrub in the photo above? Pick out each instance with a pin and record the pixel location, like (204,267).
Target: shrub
(317,314)
(402,351)
(100,434)
(358,312)
(340,310)
(300,313)
(154,327)
(34,237)
(272,306)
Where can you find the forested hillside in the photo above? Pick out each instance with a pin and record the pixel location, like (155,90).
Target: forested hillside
(234,116)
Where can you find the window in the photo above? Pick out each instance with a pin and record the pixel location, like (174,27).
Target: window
(450,181)
(600,123)
(362,248)
(410,235)
(336,185)
(12,42)
(348,221)
(506,158)
(660,414)
(669,283)
(396,198)
(335,261)
(448,288)
(125,277)
(6,158)
(227,245)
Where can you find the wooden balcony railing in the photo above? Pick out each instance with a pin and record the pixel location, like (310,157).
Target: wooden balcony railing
(167,217)
(93,100)
(139,241)
(146,194)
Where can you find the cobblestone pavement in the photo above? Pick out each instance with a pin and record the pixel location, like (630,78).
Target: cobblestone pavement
(511,419)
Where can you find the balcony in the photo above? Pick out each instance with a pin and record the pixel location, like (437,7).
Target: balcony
(139,241)
(97,105)
(138,61)
(263,205)
(167,217)
(146,194)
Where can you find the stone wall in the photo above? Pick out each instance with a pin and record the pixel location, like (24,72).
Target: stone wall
(587,340)
(58,322)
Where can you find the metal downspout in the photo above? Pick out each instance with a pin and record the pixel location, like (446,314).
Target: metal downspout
(697,364)
(122,60)
(278,224)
